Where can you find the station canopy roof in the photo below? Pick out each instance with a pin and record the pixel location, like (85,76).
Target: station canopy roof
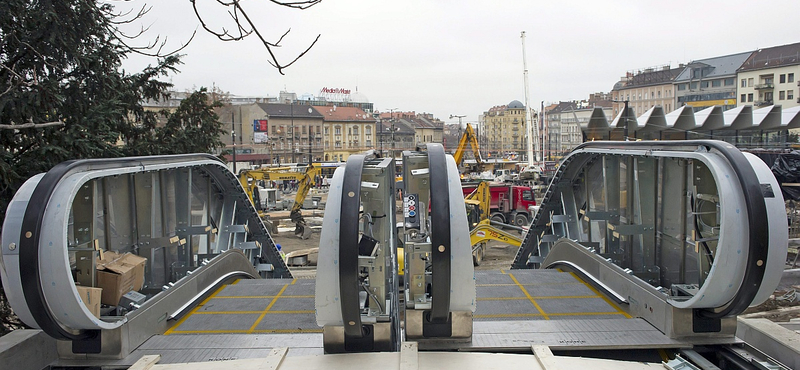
(743,118)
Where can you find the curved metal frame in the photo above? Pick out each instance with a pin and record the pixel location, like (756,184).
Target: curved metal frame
(440,234)
(758,239)
(32,226)
(348,246)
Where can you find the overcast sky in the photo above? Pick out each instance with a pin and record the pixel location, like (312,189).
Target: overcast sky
(461,57)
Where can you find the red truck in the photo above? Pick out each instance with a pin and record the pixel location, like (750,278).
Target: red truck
(509,203)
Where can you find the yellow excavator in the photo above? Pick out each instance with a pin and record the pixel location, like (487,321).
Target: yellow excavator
(481,228)
(468,138)
(305,179)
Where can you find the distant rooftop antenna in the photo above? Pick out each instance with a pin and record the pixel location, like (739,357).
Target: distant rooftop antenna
(534,139)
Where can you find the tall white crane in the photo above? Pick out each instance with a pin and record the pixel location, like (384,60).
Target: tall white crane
(533,140)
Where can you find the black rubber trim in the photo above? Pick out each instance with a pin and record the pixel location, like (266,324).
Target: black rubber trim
(32,223)
(348,247)
(758,242)
(440,233)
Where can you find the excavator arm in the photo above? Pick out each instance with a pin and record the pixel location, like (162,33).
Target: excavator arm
(306,181)
(468,138)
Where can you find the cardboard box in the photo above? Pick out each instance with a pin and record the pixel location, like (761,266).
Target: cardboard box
(118,274)
(91,298)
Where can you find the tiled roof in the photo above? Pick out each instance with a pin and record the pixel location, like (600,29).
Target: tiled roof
(784,55)
(353,114)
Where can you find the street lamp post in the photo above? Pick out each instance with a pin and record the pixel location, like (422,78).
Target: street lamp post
(233,140)
(459,125)
(391,120)
(291,115)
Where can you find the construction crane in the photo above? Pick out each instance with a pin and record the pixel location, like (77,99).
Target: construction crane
(468,138)
(306,180)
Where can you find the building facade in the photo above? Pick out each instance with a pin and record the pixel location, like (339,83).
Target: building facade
(770,76)
(505,131)
(346,131)
(708,82)
(292,132)
(394,136)
(645,89)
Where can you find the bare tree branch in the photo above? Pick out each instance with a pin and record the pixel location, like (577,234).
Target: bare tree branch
(248,27)
(14,126)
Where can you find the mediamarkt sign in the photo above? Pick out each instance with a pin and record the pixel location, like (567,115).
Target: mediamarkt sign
(326,90)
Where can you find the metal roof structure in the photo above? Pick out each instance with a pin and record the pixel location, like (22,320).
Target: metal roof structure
(770,118)
(714,67)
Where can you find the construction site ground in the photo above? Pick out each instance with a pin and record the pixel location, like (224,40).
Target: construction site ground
(783,306)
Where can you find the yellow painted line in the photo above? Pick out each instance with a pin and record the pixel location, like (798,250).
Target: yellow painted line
(255,324)
(541,284)
(251,312)
(293,281)
(610,302)
(501,315)
(265,331)
(540,297)
(235,282)
(529,296)
(264,296)
(502,271)
(177,324)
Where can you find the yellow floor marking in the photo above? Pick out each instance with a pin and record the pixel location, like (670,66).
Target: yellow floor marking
(539,297)
(251,312)
(235,282)
(610,302)
(265,296)
(537,284)
(260,331)
(255,324)
(294,281)
(529,296)
(502,271)
(177,324)
(501,315)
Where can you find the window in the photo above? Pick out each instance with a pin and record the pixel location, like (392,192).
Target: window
(782,79)
(273,130)
(369,130)
(527,195)
(750,82)
(716,83)
(693,85)
(790,94)
(744,98)
(790,77)
(659,94)
(704,84)
(681,87)
(337,130)
(750,97)
(744,82)
(730,81)
(355,130)
(326,131)
(781,94)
